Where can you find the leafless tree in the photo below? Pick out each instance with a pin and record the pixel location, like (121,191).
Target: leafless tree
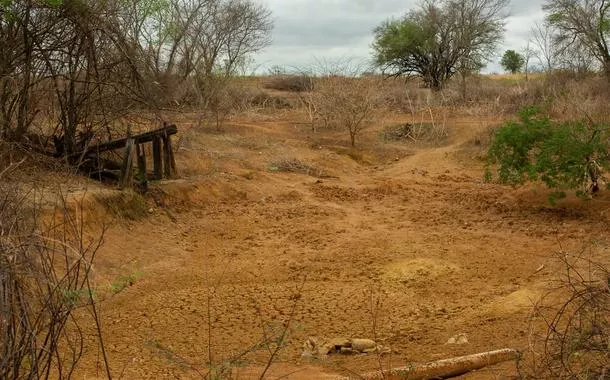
(348,103)
(544,48)
(582,27)
(527,54)
(90,63)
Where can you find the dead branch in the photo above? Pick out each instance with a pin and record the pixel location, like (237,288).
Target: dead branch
(446,368)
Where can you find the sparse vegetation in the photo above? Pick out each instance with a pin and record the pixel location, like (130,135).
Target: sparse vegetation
(570,332)
(353,175)
(293,165)
(563,155)
(45,281)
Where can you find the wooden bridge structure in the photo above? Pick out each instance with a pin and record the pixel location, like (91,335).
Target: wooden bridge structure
(164,164)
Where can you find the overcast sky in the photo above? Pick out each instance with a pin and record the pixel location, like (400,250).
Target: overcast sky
(330,30)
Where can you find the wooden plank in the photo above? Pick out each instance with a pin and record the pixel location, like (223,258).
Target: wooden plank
(157,163)
(126,169)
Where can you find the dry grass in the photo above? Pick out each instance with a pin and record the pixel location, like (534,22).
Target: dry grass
(294,165)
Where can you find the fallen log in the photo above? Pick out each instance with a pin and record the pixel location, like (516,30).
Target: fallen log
(446,368)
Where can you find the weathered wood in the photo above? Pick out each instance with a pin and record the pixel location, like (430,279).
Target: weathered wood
(157,163)
(141,138)
(172,160)
(167,152)
(126,169)
(142,175)
(446,368)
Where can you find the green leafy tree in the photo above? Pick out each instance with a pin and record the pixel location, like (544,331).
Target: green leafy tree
(439,37)
(572,155)
(512,61)
(583,25)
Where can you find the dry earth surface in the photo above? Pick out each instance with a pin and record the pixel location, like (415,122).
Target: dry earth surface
(401,242)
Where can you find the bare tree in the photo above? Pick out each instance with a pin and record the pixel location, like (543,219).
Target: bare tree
(348,102)
(544,48)
(582,24)
(527,54)
(94,61)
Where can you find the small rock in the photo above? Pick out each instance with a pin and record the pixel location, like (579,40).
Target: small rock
(458,339)
(362,345)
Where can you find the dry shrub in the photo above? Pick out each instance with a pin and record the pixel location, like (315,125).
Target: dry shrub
(293,165)
(45,270)
(405,95)
(349,103)
(292,83)
(434,132)
(127,205)
(262,100)
(570,337)
(566,95)
(573,98)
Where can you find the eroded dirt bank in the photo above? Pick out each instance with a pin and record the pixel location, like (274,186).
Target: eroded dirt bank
(409,248)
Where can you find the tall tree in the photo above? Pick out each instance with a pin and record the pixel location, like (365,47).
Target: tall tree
(512,61)
(584,24)
(435,39)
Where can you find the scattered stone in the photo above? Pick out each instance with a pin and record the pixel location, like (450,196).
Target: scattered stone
(363,345)
(320,348)
(458,339)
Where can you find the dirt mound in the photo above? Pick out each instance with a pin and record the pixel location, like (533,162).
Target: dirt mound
(419,269)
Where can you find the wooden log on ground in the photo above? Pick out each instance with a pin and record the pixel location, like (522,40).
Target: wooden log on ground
(157,163)
(446,368)
(126,169)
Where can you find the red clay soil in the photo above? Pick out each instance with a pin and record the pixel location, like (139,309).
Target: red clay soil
(399,242)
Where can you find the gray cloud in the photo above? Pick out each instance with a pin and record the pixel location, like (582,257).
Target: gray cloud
(310,30)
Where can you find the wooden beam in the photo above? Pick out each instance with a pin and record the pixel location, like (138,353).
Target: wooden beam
(157,163)
(167,148)
(172,160)
(126,169)
(142,174)
(141,138)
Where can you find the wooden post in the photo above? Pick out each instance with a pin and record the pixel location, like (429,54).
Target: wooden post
(142,175)
(157,163)
(172,160)
(166,158)
(169,164)
(126,168)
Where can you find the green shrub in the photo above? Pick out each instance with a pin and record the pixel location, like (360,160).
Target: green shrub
(571,155)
